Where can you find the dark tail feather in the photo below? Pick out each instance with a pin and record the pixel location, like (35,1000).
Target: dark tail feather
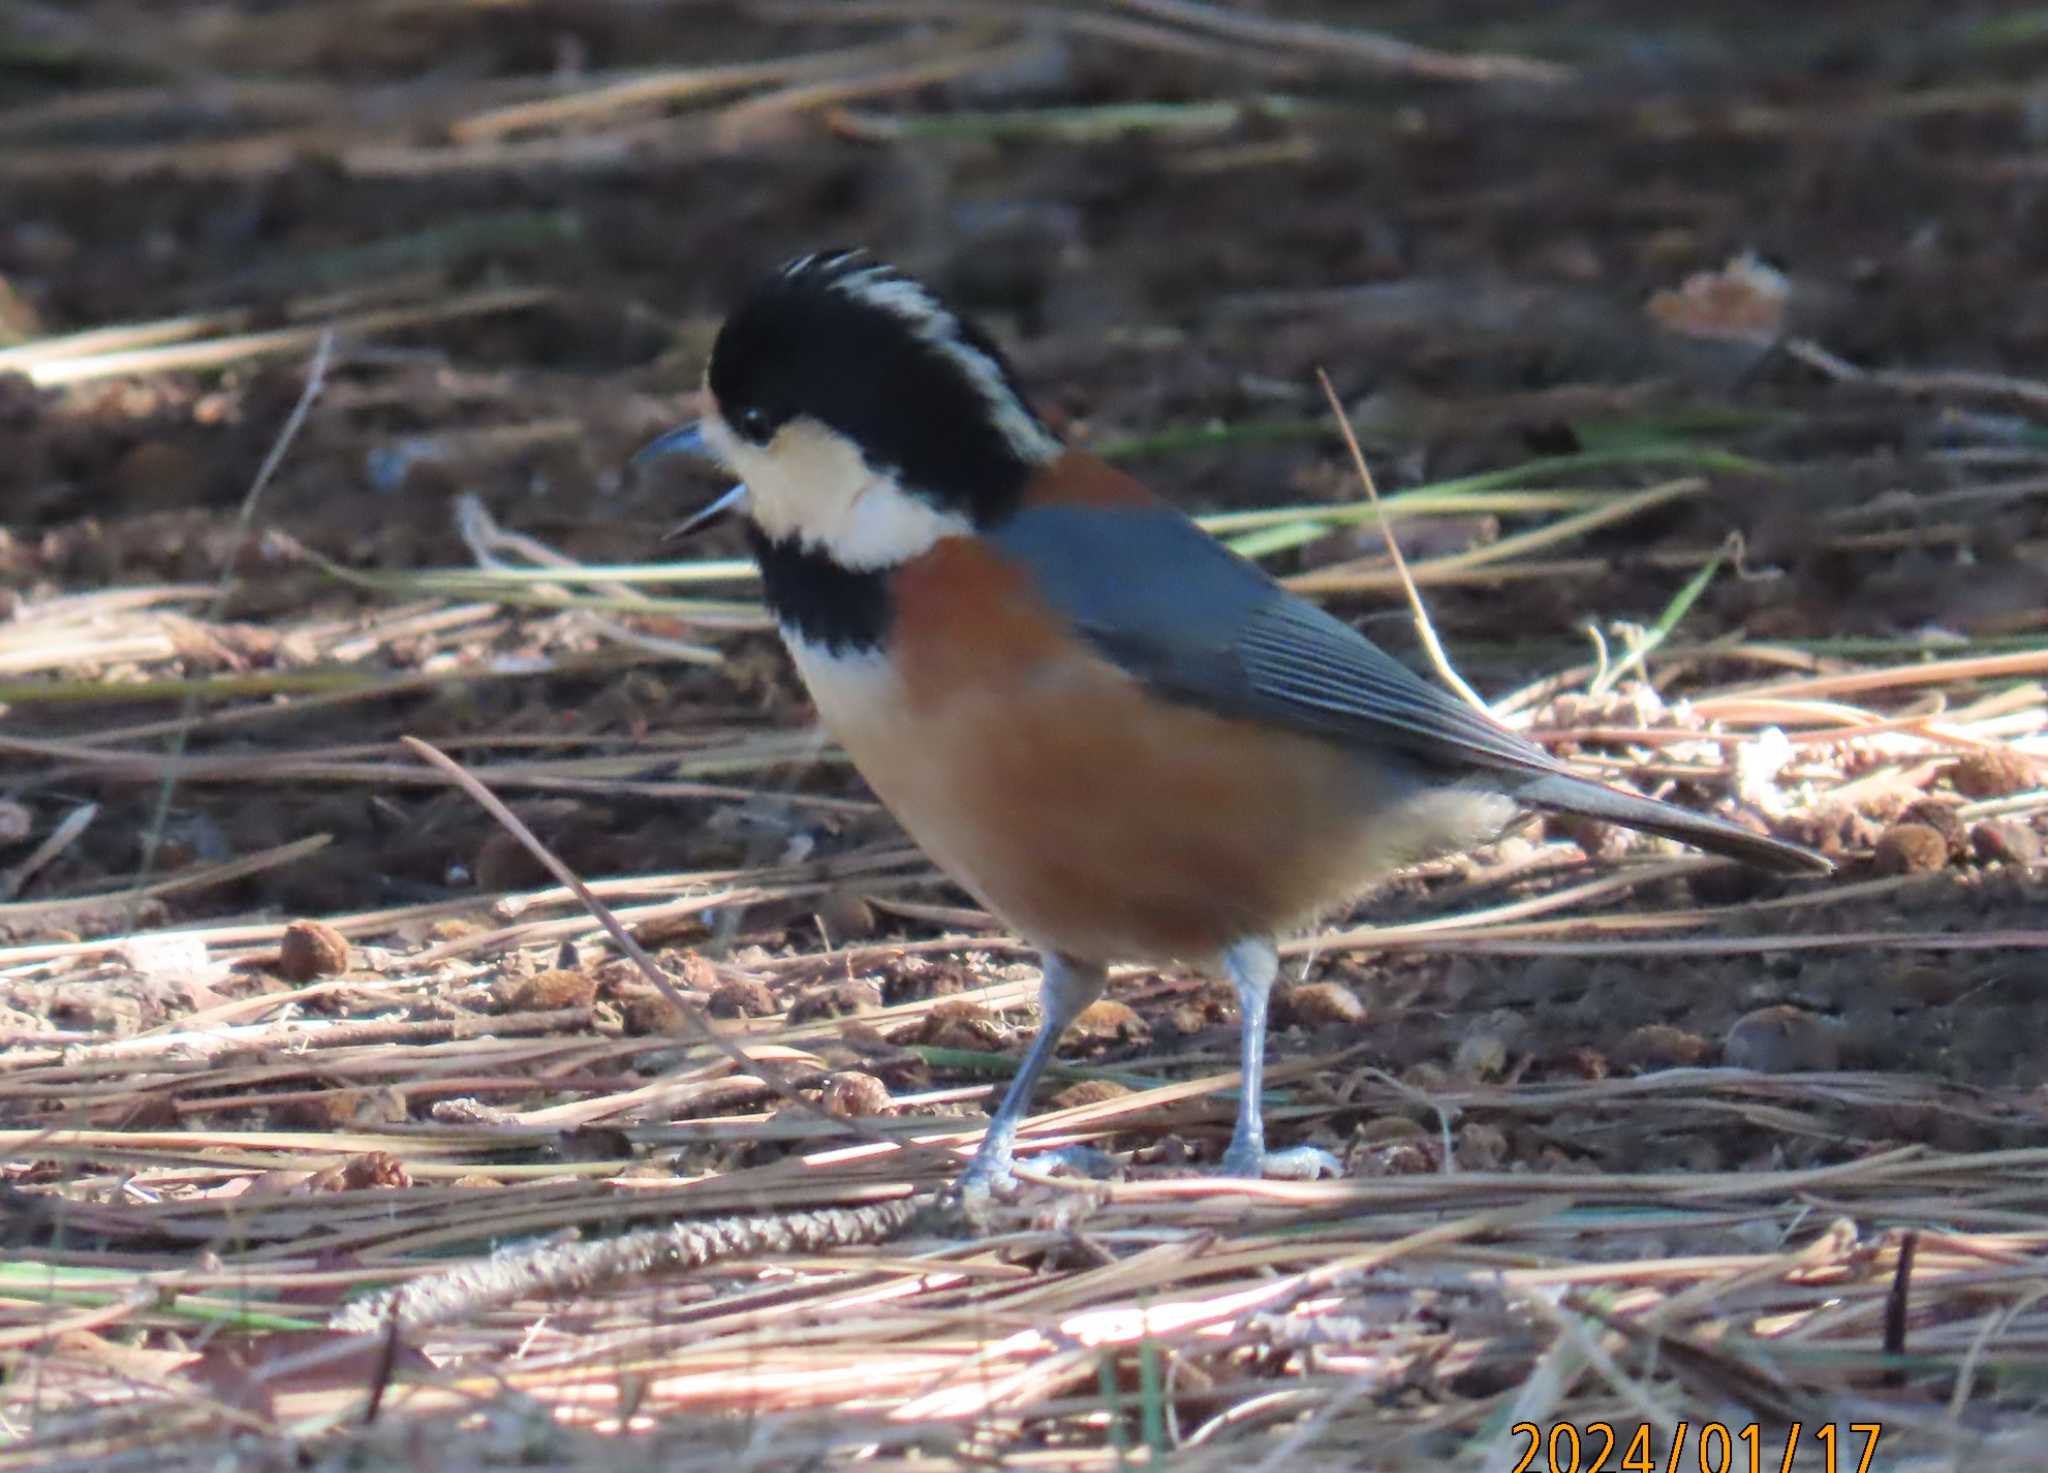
(1560,793)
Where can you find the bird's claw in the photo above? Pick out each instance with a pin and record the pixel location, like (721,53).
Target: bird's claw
(994,1178)
(1297,1163)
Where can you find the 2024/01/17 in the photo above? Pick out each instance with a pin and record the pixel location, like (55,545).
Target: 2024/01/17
(1599,1447)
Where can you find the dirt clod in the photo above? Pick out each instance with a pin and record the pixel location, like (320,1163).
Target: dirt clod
(643,1012)
(364,1172)
(1481,1055)
(1661,1046)
(741,997)
(960,1023)
(312,949)
(1942,818)
(1088,1092)
(1781,1040)
(1910,849)
(1108,1021)
(846,916)
(1318,1005)
(1482,1147)
(554,988)
(2004,841)
(836,1000)
(852,1093)
(1994,773)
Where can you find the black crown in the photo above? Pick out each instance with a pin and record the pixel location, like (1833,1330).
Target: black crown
(873,354)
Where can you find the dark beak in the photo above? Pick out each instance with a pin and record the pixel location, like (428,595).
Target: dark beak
(683,440)
(689,440)
(705,516)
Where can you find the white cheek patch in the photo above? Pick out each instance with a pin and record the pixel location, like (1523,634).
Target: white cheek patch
(888,528)
(811,483)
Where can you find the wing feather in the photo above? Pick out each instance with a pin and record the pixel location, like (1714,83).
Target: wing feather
(1315,670)
(1176,609)
(1180,611)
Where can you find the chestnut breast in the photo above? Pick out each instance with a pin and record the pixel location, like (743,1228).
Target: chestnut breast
(1095,817)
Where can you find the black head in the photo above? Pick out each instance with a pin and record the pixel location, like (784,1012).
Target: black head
(923,395)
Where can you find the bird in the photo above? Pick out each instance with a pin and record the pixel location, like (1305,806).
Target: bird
(1127,742)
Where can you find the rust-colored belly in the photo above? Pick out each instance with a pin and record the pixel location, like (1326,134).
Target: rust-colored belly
(1093,816)
(1104,823)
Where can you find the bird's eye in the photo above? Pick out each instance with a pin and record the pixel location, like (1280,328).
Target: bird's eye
(754,424)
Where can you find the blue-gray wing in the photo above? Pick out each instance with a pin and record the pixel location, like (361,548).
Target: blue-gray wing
(1184,614)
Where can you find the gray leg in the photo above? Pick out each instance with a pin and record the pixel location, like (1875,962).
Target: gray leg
(1069,986)
(1253,964)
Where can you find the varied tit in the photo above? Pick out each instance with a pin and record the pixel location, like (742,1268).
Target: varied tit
(1125,740)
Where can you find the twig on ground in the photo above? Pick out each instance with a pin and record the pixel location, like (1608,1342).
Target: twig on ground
(316,379)
(1423,626)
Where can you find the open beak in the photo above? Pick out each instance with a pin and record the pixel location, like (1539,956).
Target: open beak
(705,516)
(689,440)
(683,440)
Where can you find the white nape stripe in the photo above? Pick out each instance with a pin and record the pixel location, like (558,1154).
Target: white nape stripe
(879,286)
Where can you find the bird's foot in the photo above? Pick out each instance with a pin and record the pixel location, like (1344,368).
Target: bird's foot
(992,1176)
(1078,1161)
(1297,1163)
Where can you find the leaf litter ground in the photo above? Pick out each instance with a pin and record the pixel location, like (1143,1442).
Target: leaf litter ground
(287,1025)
